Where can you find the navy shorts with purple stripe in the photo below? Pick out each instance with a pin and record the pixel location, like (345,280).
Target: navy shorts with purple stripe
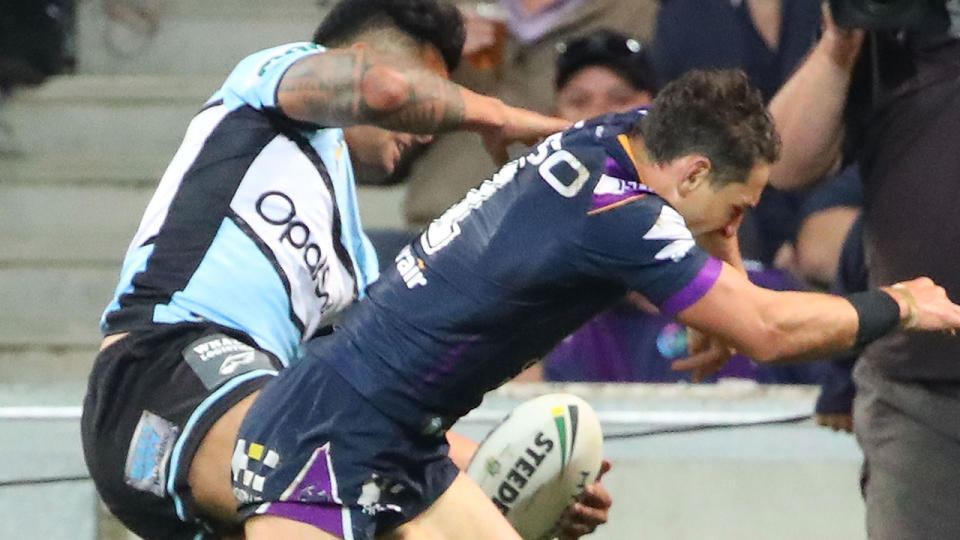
(313,450)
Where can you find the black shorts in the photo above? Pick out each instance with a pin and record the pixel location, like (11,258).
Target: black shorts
(151,398)
(312,449)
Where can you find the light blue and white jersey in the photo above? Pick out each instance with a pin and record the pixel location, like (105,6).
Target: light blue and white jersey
(254,224)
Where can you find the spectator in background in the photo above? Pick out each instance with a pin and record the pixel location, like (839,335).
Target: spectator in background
(33,46)
(891,100)
(600,73)
(767,39)
(33,39)
(525,74)
(825,216)
(834,407)
(630,344)
(605,72)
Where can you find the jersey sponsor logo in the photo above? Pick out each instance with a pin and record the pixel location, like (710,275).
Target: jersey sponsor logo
(410,268)
(670,226)
(611,185)
(148,454)
(278,209)
(235,361)
(218,358)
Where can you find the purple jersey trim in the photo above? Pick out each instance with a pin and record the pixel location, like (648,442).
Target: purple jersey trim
(628,189)
(311,497)
(315,481)
(328,517)
(613,168)
(694,290)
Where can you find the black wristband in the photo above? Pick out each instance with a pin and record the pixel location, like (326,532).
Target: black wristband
(878,314)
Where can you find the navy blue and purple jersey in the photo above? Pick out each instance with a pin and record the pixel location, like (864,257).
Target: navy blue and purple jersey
(523,260)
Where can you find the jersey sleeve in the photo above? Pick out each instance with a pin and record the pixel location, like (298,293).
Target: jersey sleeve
(255,79)
(645,244)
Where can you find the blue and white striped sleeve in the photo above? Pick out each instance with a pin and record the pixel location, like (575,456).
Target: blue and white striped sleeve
(255,80)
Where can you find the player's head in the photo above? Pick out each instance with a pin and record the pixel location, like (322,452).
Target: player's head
(403,27)
(602,72)
(711,131)
(427,33)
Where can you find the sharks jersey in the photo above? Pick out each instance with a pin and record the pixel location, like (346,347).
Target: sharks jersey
(523,260)
(254,225)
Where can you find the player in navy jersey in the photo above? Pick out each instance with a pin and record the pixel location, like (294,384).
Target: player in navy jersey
(349,443)
(253,241)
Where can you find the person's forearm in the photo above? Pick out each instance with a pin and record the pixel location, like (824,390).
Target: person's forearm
(783,326)
(806,326)
(786,326)
(808,113)
(344,87)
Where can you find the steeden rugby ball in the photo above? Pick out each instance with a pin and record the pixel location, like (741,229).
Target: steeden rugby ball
(536,462)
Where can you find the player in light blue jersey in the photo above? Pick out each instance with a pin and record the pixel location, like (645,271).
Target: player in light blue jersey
(253,240)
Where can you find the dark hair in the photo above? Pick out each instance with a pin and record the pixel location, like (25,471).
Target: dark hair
(718,114)
(433,22)
(613,50)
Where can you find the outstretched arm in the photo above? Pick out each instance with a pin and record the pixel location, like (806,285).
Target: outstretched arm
(774,326)
(360,85)
(808,109)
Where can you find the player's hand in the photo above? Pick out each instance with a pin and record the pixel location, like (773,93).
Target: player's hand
(723,244)
(843,44)
(518,126)
(591,509)
(707,355)
(924,305)
(836,421)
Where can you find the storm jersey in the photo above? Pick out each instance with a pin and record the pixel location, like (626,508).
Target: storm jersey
(254,224)
(523,260)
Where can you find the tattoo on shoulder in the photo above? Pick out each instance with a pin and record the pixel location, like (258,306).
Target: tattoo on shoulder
(346,87)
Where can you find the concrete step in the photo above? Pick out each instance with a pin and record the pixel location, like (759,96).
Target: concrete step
(67,225)
(191,36)
(62,211)
(45,306)
(107,116)
(79,169)
(37,376)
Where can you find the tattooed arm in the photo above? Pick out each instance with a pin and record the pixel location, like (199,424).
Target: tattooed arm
(359,85)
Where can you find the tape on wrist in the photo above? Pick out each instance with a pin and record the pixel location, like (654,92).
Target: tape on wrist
(912,308)
(878,314)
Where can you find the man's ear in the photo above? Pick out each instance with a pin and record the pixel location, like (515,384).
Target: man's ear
(696,169)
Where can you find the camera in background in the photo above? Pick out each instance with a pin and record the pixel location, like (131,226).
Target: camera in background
(920,16)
